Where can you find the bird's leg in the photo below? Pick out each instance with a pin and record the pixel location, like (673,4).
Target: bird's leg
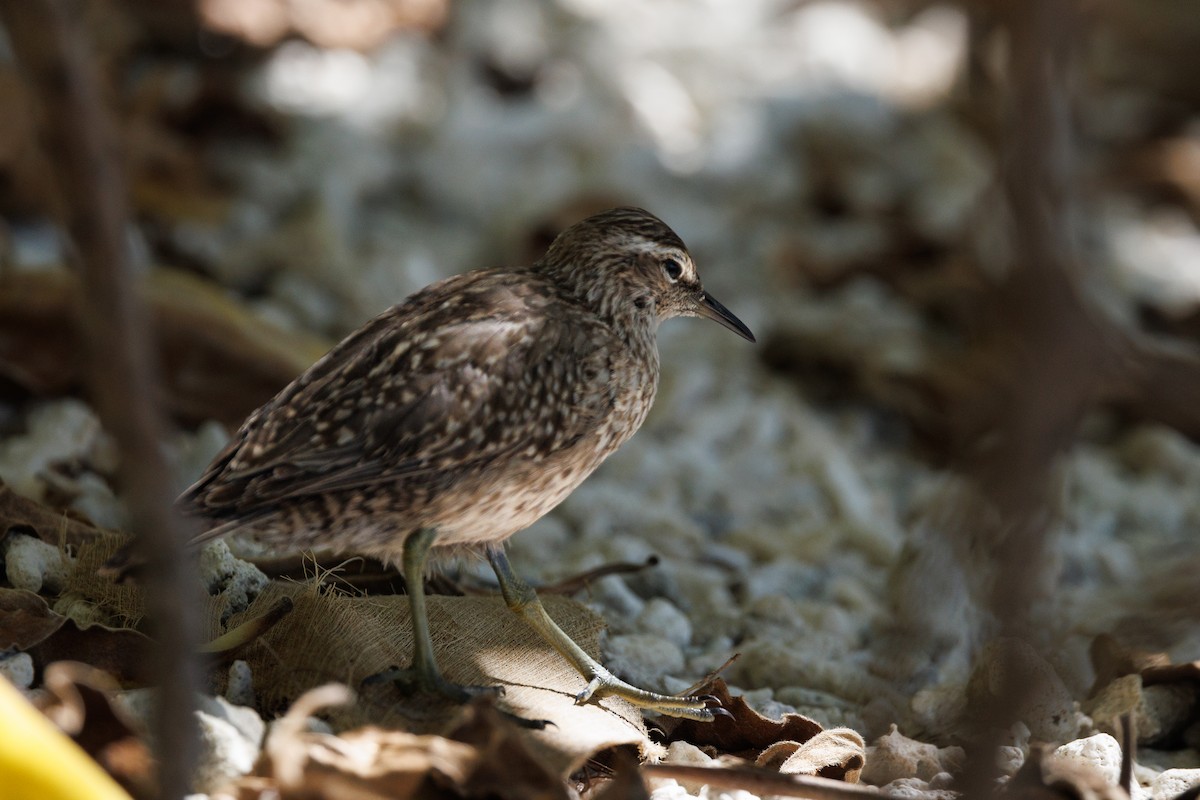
(424,675)
(523,600)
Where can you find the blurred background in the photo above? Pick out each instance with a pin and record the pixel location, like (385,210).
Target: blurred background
(846,175)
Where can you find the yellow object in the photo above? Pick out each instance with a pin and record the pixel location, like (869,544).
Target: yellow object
(39,762)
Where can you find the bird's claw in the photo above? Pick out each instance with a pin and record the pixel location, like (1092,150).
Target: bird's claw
(700,708)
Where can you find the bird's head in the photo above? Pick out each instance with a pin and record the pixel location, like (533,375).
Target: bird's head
(626,263)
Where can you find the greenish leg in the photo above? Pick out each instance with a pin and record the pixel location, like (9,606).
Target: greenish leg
(424,675)
(523,600)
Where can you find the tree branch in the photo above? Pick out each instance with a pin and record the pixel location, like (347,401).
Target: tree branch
(78,135)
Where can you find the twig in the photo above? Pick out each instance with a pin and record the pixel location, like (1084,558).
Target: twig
(574,583)
(52,48)
(1128,751)
(250,631)
(708,679)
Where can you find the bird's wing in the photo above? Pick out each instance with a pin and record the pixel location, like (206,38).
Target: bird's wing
(407,397)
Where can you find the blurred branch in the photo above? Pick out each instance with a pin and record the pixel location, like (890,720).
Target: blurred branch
(76,131)
(1055,352)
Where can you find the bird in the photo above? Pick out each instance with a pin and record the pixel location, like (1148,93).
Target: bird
(462,415)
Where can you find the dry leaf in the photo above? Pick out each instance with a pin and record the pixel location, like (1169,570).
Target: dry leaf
(745,733)
(120,652)
(23,515)
(80,700)
(25,619)
(330,636)
(837,754)
(506,766)
(372,763)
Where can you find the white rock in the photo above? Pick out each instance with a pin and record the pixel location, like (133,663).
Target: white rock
(1009,759)
(192,452)
(943,780)
(1048,708)
(231,735)
(642,659)
(94,498)
(60,431)
(32,564)
(669,790)
(18,669)
(1164,710)
(932,707)
(702,593)
(1157,449)
(246,721)
(1100,753)
(239,689)
(914,788)
(230,740)
(614,593)
(894,756)
(1173,783)
(660,617)
(773,709)
(223,573)
(688,754)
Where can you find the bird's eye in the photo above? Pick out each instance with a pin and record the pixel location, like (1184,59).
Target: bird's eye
(674,269)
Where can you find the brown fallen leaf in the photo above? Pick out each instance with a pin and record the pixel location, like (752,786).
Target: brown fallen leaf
(483,756)
(81,701)
(745,733)
(506,766)
(57,527)
(331,636)
(837,754)
(122,653)
(25,619)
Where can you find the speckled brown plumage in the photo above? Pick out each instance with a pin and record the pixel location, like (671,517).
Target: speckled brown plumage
(474,407)
(464,414)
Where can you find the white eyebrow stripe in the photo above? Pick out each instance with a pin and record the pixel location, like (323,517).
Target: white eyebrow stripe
(641,244)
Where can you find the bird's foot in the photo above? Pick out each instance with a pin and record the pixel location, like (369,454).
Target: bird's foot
(412,680)
(701,708)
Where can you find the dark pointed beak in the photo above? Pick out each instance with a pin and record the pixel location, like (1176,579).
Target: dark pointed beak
(709,308)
